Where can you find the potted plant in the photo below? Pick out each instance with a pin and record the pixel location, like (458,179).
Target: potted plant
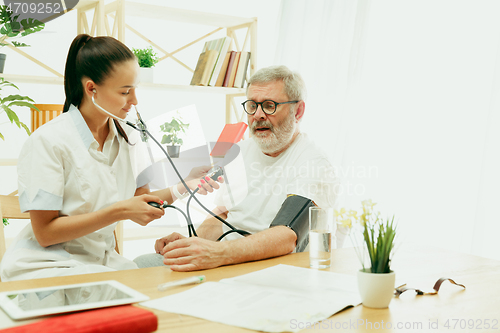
(147,59)
(375,283)
(6,104)
(172,139)
(10,28)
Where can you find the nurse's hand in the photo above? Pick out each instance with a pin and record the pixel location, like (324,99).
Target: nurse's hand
(138,210)
(198,178)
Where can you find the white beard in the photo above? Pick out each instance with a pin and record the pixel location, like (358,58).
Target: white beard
(280,136)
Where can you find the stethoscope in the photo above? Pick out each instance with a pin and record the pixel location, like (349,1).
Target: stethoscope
(142,128)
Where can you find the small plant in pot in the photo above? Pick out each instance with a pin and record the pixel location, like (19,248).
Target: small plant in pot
(375,283)
(11,28)
(171,138)
(147,59)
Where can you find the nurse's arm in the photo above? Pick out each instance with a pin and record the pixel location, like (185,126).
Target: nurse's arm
(50,228)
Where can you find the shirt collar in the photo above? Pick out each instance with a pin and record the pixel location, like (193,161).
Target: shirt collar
(83,128)
(112,129)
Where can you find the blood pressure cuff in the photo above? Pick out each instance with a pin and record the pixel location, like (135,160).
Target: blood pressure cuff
(294,213)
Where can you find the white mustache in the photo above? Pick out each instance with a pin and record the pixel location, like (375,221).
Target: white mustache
(262,124)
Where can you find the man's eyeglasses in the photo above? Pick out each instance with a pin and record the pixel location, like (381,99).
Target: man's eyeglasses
(268,106)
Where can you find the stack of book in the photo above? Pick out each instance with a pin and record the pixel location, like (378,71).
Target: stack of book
(219,67)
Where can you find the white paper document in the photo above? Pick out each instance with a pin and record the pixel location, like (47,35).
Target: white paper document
(271,300)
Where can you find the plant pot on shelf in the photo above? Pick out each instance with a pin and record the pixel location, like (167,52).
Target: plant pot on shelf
(173,151)
(146,74)
(376,289)
(3,56)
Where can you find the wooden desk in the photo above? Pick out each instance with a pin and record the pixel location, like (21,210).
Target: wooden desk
(418,266)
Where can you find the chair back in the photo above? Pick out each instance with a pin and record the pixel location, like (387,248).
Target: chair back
(47,113)
(9,209)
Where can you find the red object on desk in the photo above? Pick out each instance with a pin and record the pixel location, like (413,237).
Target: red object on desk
(118,319)
(231,134)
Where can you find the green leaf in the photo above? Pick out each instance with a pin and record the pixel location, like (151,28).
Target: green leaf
(20,103)
(4,83)
(1,137)
(17,44)
(166,139)
(11,114)
(26,128)
(31,26)
(146,57)
(17,98)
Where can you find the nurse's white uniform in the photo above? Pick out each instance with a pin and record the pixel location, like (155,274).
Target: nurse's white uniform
(61,169)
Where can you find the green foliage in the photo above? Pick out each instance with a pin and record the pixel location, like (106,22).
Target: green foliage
(5,221)
(147,58)
(378,235)
(9,101)
(10,27)
(379,239)
(173,128)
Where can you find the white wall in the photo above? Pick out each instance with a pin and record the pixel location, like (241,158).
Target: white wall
(419,117)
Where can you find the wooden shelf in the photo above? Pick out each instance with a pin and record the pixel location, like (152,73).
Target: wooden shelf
(60,81)
(14,78)
(180,15)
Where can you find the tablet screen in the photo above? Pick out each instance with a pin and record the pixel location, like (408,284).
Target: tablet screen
(31,303)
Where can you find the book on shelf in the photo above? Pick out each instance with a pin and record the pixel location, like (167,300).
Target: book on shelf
(229,69)
(231,134)
(206,62)
(239,80)
(225,44)
(204,67)
(116,319)
(232,75)
(222,73)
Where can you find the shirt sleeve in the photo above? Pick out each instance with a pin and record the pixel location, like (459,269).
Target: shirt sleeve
(40,175)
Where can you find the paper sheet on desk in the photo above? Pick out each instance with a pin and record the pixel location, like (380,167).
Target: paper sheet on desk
(269,300)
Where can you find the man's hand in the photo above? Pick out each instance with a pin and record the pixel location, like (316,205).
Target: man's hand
(162,242)
(194,253)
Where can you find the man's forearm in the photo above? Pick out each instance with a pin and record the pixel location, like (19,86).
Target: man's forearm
(211,228)
(272,242)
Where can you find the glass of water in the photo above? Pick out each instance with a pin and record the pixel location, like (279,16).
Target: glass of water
(321,232)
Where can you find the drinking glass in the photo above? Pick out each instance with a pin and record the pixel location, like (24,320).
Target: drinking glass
(321,232)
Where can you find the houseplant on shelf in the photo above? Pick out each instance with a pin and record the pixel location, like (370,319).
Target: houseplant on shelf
(11,28)
(375,283)
(147,59)
(172,139)
(6,104)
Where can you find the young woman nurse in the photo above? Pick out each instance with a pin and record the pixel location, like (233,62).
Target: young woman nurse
(75,173)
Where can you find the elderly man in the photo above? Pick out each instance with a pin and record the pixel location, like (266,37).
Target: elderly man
(278,160)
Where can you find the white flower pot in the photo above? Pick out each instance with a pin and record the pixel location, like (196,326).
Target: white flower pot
(146,74)
(376,289)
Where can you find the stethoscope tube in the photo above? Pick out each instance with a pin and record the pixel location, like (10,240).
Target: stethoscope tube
(143,129)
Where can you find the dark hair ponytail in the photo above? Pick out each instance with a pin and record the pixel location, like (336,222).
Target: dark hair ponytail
(95,58)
